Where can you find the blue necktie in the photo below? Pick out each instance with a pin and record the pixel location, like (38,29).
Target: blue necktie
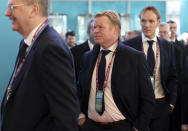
(101,76)
(151,57)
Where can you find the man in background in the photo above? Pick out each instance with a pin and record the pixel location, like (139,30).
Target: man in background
(176,117)
(131,34)
(70,38)
(164,31)
(41,94)
(79,50)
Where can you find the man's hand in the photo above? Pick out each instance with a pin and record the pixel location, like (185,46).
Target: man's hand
(81,121)
(171,107)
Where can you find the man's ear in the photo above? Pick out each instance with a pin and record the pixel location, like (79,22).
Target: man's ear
(35,10)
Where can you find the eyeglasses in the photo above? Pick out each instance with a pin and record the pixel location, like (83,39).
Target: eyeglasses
(163,32)
(11,7)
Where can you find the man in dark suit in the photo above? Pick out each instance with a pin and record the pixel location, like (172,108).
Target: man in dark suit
(41,95)
(175,118)
(161,65)
(184,100)
(122,99)
(79,50)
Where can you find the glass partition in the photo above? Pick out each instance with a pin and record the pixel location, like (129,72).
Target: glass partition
(59,22)
(82,27)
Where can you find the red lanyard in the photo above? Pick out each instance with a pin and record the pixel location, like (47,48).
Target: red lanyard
(18,67)
(41,27)
(156,57)
(107,72)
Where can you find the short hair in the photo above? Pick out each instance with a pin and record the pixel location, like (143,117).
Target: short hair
(150,8)
(113,17)
(70,32)
(43,4)
(164,24)
(89,25)
(171,22)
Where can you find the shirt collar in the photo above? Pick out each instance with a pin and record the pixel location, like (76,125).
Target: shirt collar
(111,48)
(28,40)
(145,39)
(90,45)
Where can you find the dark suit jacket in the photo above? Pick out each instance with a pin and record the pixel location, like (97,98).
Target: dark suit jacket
(186,50)
(185,96)
(167,66)
(77,52)
(43,94)
(131,86)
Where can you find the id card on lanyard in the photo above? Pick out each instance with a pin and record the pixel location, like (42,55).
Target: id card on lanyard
(100,93)
(156,64)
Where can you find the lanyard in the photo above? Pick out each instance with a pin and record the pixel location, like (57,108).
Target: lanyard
(18,67)
(107,72)
(156,57)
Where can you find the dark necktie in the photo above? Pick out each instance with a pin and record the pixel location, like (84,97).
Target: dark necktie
(101,76)
(22,52)
(102,67)
(21,58)
(150,57)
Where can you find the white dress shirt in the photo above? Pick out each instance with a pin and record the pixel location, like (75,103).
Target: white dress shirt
(158,90)
(111,112)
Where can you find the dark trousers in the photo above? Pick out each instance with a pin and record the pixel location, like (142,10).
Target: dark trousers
(91,126)
(160,116)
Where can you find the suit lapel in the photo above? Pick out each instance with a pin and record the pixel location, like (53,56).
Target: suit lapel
(139,46)
(162,55)
(92,62)
(26,64)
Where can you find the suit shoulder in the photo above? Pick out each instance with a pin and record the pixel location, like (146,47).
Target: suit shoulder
(132,40)
(128,49)
(79,47)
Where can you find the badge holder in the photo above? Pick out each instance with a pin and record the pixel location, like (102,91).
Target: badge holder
(153,81)
(99,100)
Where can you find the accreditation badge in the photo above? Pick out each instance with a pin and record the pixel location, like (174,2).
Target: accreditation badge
(152,81)
(99,100)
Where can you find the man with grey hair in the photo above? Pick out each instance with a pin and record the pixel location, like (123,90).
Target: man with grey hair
(115,87)
(80,49)
(164,31)
(41,94)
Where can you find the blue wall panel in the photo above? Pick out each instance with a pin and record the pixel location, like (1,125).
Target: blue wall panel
(9,47)
(119,7)
(183,16)
(73,9)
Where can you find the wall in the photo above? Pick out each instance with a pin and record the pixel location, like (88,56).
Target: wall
(183,16)
(8,49)
(73,9)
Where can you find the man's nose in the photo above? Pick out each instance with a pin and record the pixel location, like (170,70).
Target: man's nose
(8,12)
